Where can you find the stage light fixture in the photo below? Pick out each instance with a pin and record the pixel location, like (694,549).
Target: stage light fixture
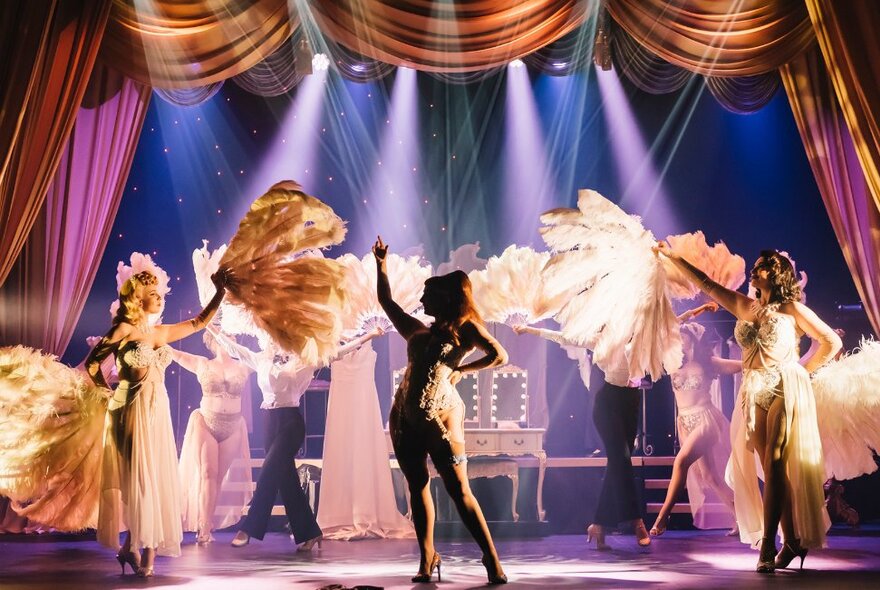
(517,63)
(602,41)
(303,57)
(320,62)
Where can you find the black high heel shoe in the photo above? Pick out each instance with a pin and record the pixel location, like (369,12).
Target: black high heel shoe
(494,578)
(129,557)
(422,578)
(789,552)
(767,557)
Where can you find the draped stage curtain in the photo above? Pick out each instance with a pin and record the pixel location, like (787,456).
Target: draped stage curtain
(447,37)
(47,289)
(718,37)
(852,210)
(40,99)
(186,43)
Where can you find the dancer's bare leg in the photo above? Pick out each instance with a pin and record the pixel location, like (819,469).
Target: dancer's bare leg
(694,447)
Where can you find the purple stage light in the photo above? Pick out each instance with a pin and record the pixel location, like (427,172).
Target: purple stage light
(528,183)
(642,190)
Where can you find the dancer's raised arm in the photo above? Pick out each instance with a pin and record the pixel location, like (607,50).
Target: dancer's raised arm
(167,333)
(405,324)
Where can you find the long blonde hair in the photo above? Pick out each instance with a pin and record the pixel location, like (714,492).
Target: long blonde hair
(130,309)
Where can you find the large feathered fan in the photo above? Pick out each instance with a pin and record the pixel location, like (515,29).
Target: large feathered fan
(232,319)
(51,441)
(847,393)
(407,277)
(294,295)
(616,285)
(140,263)
(510,289)
(717,261)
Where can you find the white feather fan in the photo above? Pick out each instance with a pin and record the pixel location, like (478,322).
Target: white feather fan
(847,393)
(616,286)
(510,289)
(407,277)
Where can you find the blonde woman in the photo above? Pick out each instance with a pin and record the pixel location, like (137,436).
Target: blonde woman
(140,491)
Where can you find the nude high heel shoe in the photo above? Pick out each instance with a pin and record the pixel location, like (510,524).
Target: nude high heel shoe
(424,578)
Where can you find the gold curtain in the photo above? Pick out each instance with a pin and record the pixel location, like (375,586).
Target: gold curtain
(187,43)
(446,36)
(854,214)
(718,38)
(847,33)
(40,102)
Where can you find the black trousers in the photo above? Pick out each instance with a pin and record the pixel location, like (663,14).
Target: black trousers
(285,435)
(616,416)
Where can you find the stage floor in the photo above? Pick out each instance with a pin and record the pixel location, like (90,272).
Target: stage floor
(680,559)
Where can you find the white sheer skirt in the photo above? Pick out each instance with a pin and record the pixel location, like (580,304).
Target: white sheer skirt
(140,490)
(803,458)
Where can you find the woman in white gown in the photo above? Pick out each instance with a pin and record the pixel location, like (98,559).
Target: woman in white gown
(357,494)
(779,413)
(140,491)
(216,435)
(703,432)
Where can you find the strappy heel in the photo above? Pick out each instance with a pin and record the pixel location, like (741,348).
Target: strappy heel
(642,537)
(767,557)
(659,527)
(424,578)
(789,552)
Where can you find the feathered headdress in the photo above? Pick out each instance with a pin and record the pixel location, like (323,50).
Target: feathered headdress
(140,263)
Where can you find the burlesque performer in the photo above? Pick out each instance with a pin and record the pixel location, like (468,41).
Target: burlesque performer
(216,435)
(779,410)
(703,431)
(140,490)
(283,379)
(427,415)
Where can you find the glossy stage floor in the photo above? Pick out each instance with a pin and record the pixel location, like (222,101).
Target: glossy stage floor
(680,559)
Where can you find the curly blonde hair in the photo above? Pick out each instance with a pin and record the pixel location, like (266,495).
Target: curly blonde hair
(130,310)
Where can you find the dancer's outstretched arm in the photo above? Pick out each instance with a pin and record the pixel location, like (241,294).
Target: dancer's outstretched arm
(245,355)
(692,313)
(551,335)
(405,324)
(356,343)
(736,303)
(191,362)
(167,333)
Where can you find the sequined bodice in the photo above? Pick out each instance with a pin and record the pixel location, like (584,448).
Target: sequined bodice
(219,379)
(769,341)
(140,355)
(426,382)
(690,382)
